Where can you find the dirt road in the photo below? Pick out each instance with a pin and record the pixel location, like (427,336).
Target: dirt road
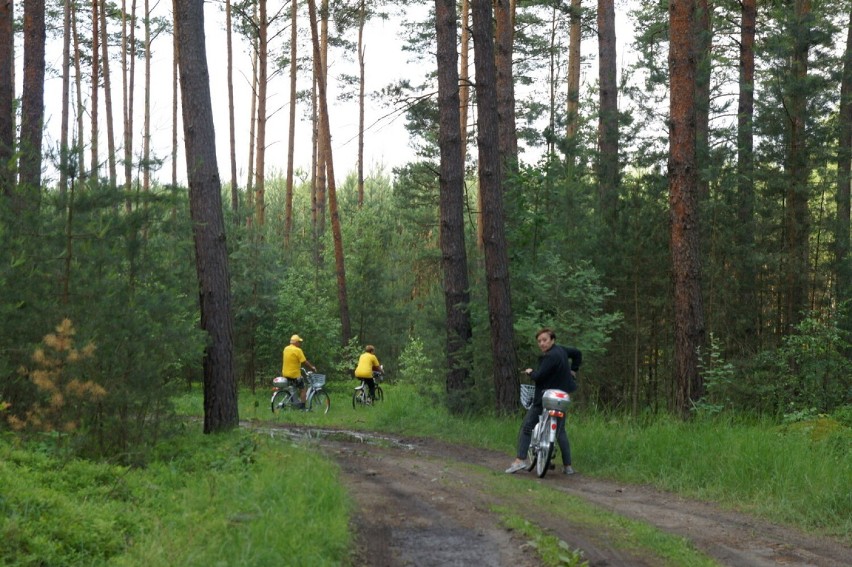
(424,503)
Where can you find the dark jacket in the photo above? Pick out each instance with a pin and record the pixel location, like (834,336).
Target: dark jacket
(554,370)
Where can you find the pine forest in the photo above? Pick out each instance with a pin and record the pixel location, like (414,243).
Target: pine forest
(666,185)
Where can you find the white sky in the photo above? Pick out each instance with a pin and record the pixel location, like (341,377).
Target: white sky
(386,143)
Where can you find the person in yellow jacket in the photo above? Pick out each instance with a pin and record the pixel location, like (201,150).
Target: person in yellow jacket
(293,358)
(367,364)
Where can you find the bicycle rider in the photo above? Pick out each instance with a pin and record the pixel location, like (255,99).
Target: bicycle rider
(554,371)
(367,365)
(291,367)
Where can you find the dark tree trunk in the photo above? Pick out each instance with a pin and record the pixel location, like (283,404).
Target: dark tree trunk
(504,34)
(32,103)
(64,161)
(205,204)
(685,227)
(506,377)
(453,253)
(844,156)
(608,119)
(703,39)
(7,96)
(746,327)
(796,216)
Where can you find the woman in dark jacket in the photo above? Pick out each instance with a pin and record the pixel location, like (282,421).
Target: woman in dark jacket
(557,368)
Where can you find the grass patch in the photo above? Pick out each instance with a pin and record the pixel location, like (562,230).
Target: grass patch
(229,499)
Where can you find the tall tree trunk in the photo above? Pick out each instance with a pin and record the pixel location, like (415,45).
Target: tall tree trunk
(703,41)
(129,107)
(260,167)
(78,82)
(453,253)
(608,119)
(146,128)
(464,77)
(322,95)
(505,370)
(685,227)
(95,168)
(252,120)
(205,205)
(573,118)
(746,328)
(175,94)
(504,34)
(66,98)
(235,195)
(32,102)
(843,269)
(322,174)
(291,133)
(7,96)
(113,176)
(362,17)
(796,216)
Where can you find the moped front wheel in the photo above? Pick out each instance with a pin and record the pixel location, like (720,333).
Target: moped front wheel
(319,402)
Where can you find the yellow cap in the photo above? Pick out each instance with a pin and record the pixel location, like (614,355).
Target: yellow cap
(295,339)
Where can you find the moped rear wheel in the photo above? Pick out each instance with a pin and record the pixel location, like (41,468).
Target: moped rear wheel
(279,399)
(545,454)
(532,452)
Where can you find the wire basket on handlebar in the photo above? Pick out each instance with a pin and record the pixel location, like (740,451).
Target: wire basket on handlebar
(527,395)
(316,380)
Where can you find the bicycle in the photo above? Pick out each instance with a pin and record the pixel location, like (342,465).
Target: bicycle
(543,446)
(316,398)
(361,395)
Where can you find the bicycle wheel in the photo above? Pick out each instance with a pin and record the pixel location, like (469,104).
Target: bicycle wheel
(357,397)
(279,399)
(380,394)
(319,402)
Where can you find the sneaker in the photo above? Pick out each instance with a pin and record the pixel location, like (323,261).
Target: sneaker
(515,467)
(567,470)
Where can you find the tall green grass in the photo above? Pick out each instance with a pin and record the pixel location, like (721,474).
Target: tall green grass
(232,499)
(798,475)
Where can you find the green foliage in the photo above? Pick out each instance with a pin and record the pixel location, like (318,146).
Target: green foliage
(203,500)
(718,377)
(414,366)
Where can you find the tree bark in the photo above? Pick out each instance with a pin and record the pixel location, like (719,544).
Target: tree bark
(464,77)
(66,98)
(574,74)
(843,287)
(113,176)
(796,215)
(205,205)
(129,104)
(260,166)
(608,118)
(32,102)
(291,134)
(703,41)
(686,264)
(235,196)
(746,328)
(453,253)
(79,143)
(506,378)
(95,168)
(146,128)
(345,325)
(504,34)
(362,16)
(7,96)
